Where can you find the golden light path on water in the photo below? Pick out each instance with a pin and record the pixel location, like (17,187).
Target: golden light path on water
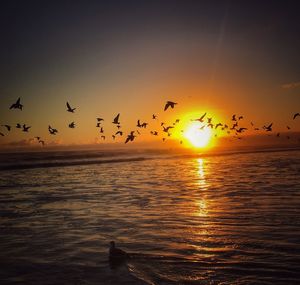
(202,203)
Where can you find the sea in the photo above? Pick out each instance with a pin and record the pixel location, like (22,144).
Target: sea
(230,217)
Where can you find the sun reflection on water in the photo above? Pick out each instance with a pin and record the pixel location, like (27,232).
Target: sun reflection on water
(201,203)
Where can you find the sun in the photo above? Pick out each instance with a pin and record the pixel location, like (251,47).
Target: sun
(196,136)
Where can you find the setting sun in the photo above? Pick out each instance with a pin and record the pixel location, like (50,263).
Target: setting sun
(196,136)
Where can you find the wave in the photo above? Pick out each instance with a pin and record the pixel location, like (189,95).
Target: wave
(67,163)
(19,161)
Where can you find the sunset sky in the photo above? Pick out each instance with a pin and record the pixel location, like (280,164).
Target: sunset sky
(130,57)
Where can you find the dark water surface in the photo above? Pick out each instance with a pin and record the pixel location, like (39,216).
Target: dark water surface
(231,219)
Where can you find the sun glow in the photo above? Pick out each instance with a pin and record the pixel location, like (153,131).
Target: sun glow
(196,136)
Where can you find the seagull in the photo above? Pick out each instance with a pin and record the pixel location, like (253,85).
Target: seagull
(218,125)
(100,119)
(241,117)
(25,128)
(7,126)
(119,133)
(52,131)
(118,126)
(130,137)
(18,126)
(296,115)
(240,130)
(209,120)
(155,133)
(101,130)
(117,255)
(116,120)
(139,124)
(268,128)
(201,118)
(166,129)
(71,110)
(144,125)
(17,105)
(233,118)
(154,117)
(169,104)
(72,125)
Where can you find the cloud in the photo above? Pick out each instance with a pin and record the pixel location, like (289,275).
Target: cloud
(291,85)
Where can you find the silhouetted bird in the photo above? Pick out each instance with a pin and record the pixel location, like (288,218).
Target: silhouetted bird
(100,119)
(17,105)
(71,110)
(169,104)
(201,118)
(7,127)
(103,137)
(288,127)
(155,133)
(154,117)
(98,125)
(25,128)
(38,138)
(117,255)
(240,130)
(218,125)
(113,137)
(166,129)
(72,125)
(116,120)
(118,126)
(101,130)
(209,120)
(296,115)
(130,137)
(268,128)
(139,124)
(241,117)
(144,125)
(233,118)
(18,126)
(52,131)
(119,133)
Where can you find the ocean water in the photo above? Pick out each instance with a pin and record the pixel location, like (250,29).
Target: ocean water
(184,219)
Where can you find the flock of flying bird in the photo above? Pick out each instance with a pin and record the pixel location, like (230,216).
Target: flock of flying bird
(206,122)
